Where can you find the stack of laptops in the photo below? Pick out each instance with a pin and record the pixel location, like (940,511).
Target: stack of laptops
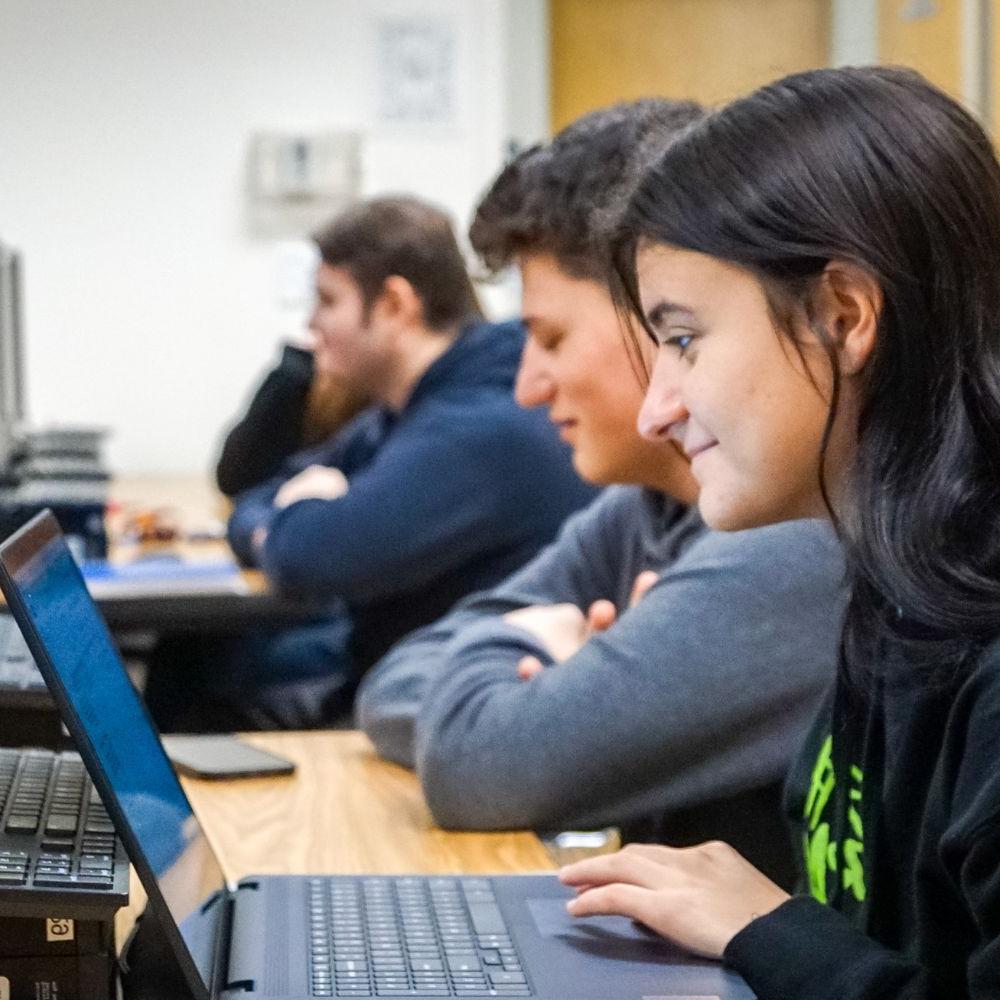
(303,936)
(55,835)
(28,716)
(63,876)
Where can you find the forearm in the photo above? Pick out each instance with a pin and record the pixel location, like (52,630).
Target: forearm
(604,737)
(694,694)
(572,569)
(342,547)
(393,691)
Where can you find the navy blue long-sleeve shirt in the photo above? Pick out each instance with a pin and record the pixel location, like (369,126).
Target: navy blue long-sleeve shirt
(448,496)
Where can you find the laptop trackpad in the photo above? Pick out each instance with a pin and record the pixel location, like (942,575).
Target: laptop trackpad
(605,958)
(620,937)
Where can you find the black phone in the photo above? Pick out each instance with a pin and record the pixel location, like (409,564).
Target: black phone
(213,756)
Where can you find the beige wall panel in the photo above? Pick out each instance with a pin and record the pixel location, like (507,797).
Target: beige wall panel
(710,50)
(925,35)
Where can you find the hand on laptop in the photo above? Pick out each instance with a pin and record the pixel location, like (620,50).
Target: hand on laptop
(601,615)
(315,482)
(698,897)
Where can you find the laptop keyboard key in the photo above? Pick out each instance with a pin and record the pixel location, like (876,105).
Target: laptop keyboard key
(21,823)
(61,823)
(487,918)
(427,965)
(507,977)
(55,881)
(463,965)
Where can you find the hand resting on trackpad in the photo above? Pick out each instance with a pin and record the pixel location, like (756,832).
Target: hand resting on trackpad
(613,938)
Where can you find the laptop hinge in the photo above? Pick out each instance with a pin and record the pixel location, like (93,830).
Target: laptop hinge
(223,935)
(246,939)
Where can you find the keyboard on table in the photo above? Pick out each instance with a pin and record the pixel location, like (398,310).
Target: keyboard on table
(55,834)
(18,670)
(17,667)
(381,937)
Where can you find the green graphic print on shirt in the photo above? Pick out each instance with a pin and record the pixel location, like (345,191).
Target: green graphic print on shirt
(827,860)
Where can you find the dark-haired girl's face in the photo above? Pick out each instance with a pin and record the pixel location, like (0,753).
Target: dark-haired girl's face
(732,390)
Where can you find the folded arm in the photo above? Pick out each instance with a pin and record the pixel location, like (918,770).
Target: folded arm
(574,568)
(701,690)
(433,498)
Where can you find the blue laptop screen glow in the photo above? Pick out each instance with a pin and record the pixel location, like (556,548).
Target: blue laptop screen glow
(127,747)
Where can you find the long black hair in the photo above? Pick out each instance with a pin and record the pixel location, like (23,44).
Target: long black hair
(878,168)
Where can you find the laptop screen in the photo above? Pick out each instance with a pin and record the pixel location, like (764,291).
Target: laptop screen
(49,599)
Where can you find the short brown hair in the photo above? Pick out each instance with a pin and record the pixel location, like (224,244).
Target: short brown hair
(566,198)
(401,235)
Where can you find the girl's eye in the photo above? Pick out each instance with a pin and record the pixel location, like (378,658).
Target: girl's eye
(680,342)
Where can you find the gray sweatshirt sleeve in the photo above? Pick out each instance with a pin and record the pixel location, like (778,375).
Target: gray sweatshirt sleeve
(703,689)
(574,568)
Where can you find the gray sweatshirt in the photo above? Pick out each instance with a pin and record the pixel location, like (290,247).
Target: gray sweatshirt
(702,691)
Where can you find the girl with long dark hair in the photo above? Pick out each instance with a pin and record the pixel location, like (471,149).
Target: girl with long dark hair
(819,265)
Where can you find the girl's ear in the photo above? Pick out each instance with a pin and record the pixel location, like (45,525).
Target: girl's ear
(847,303)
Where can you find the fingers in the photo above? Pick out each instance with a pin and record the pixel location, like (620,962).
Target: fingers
(655,852)
(643,582)
(601,616)
(646,869)
(699,897)
(617,899)
(529,667)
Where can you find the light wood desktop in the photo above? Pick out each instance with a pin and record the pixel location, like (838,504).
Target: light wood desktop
(192,502)
(344,811)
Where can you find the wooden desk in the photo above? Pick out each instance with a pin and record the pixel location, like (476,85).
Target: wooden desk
(344,811)
(192,502)
(197,508)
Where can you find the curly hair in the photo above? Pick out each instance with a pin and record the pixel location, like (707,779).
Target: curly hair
(565,198)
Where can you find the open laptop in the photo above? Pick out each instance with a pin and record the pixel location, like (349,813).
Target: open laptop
(309,936)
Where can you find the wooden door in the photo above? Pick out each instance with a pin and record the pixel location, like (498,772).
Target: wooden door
(710,50)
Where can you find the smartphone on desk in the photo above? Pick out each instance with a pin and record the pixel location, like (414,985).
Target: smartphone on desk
(224,756)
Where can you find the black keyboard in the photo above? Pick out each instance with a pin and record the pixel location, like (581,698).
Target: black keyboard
(397,937)
(55,834)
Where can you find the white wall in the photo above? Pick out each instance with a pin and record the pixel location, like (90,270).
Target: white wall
(149,307)
(853,32)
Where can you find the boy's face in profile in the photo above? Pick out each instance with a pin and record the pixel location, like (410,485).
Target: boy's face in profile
(346,344)
(575,362)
